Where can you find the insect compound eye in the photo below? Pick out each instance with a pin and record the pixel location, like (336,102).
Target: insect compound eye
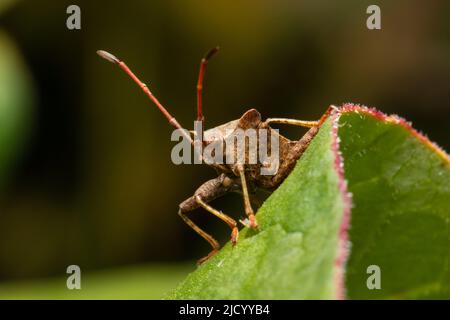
(250,119)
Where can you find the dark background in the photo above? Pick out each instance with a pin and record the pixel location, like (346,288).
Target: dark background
(88,179)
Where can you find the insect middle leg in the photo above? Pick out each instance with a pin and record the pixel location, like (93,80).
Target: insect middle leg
(222,216)
(251,221)
(207,192)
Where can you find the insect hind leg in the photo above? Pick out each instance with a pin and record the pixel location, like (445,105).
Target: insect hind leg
(207,192)
(182,212)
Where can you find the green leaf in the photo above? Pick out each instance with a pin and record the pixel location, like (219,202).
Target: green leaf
(305,249)
(400,220)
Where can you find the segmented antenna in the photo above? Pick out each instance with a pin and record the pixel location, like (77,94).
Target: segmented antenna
(108,56)
(111,58)
(201,75)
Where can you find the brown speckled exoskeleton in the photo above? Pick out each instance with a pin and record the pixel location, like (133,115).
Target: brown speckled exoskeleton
(235,177)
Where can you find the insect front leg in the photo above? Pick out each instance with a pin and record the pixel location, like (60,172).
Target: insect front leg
(207,192)
(293,122)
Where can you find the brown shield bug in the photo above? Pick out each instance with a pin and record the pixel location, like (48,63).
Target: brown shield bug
(238,176)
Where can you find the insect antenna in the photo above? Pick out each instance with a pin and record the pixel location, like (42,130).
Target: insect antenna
(201,75)
(111,58)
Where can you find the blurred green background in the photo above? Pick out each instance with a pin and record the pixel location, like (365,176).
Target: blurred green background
(85,170)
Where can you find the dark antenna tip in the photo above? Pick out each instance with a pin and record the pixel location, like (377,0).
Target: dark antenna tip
(107,56)
(211,53)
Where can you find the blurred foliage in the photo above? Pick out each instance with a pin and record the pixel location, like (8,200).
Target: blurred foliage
(133,282)
(94,185)
(5,4)
(16,98)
